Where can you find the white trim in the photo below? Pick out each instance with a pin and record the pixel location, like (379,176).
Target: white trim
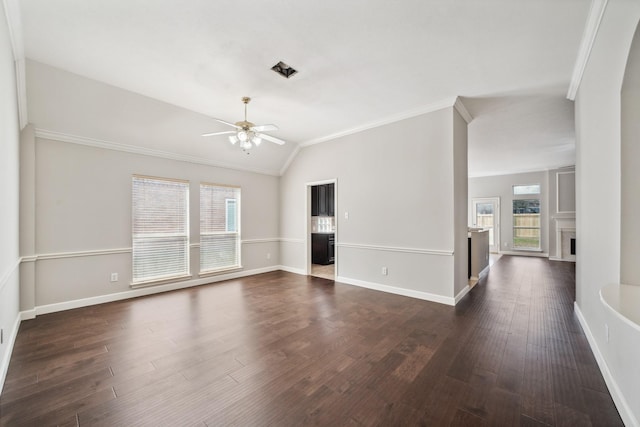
(4,279)
(588,38)
(21,92)
(461,294)
(290,240)
(460,108)
(384,121)
(290,159)
(397,291)
(14,25)
(266,240)
(116,146)
(4,364)
(396,249)
(628,304)
(554,258)
(558,192)
(150,290)
(28,314)
(525,253)
(80,254)
(299,271)
(618,398)
(517,172)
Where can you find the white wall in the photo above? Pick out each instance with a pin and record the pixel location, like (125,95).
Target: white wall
(78,198)
(502,186)
(599,193)
(397,182)
(9,204)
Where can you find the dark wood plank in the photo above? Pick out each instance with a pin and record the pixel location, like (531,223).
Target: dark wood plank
(284,349)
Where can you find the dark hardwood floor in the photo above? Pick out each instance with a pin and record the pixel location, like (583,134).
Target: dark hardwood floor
(283,349)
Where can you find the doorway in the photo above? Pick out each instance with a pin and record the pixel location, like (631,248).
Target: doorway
(486,214)
(321,229)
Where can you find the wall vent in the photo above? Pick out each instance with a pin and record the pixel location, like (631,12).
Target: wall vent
(284,70)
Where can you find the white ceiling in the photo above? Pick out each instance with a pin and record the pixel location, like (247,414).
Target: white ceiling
(359,62)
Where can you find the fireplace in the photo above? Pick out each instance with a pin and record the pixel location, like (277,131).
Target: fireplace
(565,239)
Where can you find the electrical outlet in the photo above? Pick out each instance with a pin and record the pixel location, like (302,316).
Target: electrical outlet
(385,271)
(268,255)
(606,331)
(114,277)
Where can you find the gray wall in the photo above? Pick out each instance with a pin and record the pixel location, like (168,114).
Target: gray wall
(398,183)
(599,192)
(9,206)
(78,199)
(502,186)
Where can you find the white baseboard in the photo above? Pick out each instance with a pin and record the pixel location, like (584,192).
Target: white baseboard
(292,270)
(618,398)
(398,291)
(4,364)
(525,253)
(461,294)
(553,258)
(101,299)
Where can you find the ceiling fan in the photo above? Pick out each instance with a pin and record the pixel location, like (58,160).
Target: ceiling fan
(247,133)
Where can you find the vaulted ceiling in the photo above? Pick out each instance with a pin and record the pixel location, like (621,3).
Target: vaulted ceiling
(359,63)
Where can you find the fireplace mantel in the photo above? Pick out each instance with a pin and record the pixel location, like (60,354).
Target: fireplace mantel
(565,227)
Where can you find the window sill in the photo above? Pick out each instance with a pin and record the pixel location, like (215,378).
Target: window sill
(162,281)
(209,273)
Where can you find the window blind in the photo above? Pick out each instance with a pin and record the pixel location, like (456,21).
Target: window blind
(219,227)
(160,228)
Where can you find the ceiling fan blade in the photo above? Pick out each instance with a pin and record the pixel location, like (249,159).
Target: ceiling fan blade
(271,138)
(227,123)
(264,128)
(219,133)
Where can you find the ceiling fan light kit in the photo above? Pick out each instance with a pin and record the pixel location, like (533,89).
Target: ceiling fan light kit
(247,134)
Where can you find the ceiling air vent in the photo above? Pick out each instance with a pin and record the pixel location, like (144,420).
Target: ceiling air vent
(284,70)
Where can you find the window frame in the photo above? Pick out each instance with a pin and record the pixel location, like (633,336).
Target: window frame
(137,241)
(514,227)
(237,233)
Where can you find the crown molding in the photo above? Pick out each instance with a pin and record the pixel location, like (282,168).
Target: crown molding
(584,51)
(449,102)
(109,145)
(385,121)
(290,159)
(14,25)
(516,172)
(460,108)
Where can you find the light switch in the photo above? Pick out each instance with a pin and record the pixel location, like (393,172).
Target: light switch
(346,215)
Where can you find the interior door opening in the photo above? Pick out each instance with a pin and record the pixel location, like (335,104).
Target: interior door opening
(321,226)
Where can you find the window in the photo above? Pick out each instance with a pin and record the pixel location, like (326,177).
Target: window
(160,228)
(219,227)
(526,224)
(230,212)
(526,189)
